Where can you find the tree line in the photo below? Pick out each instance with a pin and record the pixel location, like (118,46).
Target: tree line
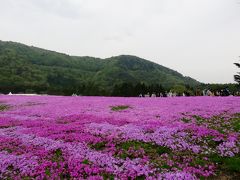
(125,89)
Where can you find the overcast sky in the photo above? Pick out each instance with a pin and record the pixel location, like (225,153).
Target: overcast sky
(198,38)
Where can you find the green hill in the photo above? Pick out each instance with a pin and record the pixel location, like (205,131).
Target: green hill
(30,69)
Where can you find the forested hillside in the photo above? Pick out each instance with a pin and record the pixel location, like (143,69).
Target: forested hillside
(29,69)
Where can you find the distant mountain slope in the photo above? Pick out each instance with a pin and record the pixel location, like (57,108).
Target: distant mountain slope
(34,68)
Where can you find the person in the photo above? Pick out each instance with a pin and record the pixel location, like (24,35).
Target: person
(209,93)
(204,92)
(170,94)
(153,95)
(147,95)
(226,92)
(165,94)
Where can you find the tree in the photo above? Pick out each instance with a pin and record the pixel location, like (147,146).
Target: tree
(179,89)
(237,76)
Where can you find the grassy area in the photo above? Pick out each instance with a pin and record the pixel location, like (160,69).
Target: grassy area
(218,123)
(119,108)
(133,149)
(98,146)
(4,107)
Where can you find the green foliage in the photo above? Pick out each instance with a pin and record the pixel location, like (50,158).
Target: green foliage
(232,164)
(98,146)
(228,164)
(27,69)
(199,120)
(142,177)
(108,176)
(86,161)
(57,156)
(3,107)
(236,123)
(149,148)
(119,108)
(48,172)
(186,120)
(180,89)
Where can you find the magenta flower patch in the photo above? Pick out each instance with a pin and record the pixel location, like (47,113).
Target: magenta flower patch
(54,137)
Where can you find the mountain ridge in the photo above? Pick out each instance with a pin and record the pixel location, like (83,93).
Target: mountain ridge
(33,66)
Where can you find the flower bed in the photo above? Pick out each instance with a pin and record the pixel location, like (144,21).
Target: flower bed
(56,137)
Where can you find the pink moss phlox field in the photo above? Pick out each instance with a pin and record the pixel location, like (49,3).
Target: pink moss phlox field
(54,137)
